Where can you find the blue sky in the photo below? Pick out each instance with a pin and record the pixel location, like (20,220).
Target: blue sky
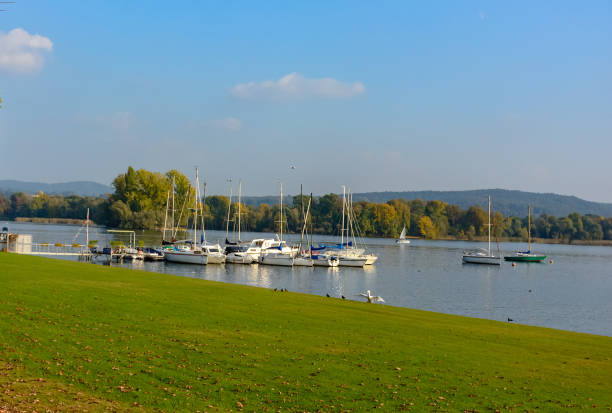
(375,95)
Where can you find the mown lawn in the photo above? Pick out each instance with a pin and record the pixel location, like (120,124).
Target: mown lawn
(79,337)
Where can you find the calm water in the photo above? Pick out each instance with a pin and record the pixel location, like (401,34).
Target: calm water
(574,293)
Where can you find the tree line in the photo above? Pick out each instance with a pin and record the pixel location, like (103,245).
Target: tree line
(141,197)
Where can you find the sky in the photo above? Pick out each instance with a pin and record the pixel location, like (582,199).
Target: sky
(379,96)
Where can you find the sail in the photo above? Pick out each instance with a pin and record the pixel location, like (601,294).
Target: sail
(403,234)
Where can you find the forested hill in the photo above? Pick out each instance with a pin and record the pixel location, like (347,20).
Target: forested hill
(508,202)
(83,188)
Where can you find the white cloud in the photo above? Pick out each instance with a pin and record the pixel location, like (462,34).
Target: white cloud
(22,52)
(229,124)
(294,86)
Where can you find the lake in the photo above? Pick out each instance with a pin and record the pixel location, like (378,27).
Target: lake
(573,293)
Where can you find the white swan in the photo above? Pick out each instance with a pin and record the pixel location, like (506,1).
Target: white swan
(371,298)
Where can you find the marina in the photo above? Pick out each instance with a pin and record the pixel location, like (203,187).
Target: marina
(571,294)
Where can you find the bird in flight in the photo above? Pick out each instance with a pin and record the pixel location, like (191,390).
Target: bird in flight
(371,298)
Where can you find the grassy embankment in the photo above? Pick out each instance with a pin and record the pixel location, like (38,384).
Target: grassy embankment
(78,336)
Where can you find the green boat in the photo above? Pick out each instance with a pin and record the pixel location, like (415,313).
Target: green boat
(526,256)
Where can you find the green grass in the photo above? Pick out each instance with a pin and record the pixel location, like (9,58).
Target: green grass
(77,336)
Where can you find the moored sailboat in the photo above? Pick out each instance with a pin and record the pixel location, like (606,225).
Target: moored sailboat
(279,253)
(526,256)
(237,250)
(191,252)
(348,253)
(304,258)
(482,256)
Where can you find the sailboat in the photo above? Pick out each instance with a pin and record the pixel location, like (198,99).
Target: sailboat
(526,256)
(279,253)
(402,238)
(188,254)
(304,258)
(482,256)
(237,251)
(347,253)
(202,254)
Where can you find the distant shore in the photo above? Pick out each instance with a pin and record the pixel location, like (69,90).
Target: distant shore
(553,241)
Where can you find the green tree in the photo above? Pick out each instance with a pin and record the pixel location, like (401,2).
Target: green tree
(402,209)
(579,233)
(453,215)
(417,210)
(566,228)
(436,210)
(475,217)
(499,226)
(385,218)
(427,227)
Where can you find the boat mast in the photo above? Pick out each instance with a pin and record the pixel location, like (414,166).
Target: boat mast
(310,243)
(229,208)
(195,211)
(203,206)
(166,217)
(351,218)
(343,208)
(302,216)
(304,228)
(87,229)
(489,225)
(349,222)
(281,212)
(529,226)
(173,232)
(239,197)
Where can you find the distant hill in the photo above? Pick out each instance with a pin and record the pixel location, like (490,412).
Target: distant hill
(83,188)
(508,202)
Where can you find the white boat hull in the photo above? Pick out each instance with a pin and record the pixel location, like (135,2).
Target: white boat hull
(133,257)
(215,258)
(371,259)
(283,260)
(240,258)
(402,241)
(490,260)
(303,262)
(186,257)
(348,261)
(324,261)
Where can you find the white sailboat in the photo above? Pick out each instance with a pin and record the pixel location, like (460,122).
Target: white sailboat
(348,253)
(402,238)
(304,258)
(185,254)
(196,254)
(214,252)
(237,251)
(280,254)
(481,256)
